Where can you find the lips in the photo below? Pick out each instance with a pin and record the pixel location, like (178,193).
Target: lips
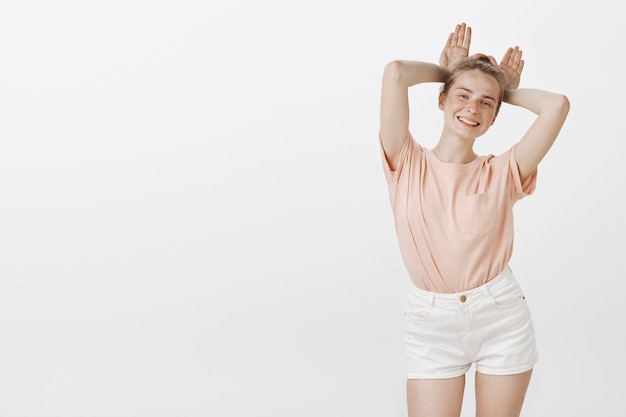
(467,121)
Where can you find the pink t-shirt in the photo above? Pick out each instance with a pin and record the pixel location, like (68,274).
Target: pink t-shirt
(454,222)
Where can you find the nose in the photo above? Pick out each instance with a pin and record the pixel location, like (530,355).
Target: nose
(471,107)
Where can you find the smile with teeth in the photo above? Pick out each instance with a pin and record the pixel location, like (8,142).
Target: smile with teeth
(467,121)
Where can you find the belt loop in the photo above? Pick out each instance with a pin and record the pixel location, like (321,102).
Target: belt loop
(486,290)
(432,300)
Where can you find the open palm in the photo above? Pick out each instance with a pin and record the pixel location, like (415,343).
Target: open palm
(456,48)
(512,65)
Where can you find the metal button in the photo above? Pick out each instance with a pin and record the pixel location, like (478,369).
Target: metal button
(463,298)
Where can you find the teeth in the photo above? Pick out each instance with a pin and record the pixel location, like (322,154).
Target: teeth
(469,122)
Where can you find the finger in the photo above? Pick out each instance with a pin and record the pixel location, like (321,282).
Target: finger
(521,67)
(512,56)
(461,37)
(468,38)
(449,41)
(459,30)
(509,56)
(517,58)
(506,56)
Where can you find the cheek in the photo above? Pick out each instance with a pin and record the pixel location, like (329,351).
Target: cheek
(490,114)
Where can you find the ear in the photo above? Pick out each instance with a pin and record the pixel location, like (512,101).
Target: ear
(442,99)
(494,119)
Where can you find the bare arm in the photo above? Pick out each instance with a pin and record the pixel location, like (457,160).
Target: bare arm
(400,75)
(551,110)
(394,107)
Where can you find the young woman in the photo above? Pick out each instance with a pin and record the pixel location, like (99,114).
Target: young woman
(454,222)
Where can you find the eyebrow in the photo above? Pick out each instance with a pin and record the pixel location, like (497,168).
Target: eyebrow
(470,91)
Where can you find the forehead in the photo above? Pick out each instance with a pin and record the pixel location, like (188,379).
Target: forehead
(477,81)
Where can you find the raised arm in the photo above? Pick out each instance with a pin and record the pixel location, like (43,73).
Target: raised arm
(551,110)
(394,106)
(400,75)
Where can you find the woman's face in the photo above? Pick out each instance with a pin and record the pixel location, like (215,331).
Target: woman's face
(470,105)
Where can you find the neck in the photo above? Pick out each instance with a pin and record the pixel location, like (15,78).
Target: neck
(460,151)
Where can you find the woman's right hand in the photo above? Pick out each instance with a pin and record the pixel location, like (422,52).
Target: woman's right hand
(456,49)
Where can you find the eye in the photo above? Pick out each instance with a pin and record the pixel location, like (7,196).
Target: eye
(486,103)
(463,96)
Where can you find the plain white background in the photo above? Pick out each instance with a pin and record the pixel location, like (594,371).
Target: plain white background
(194,219)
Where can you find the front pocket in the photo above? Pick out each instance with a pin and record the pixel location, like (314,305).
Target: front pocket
(509,298)
(417,316)
(417,311)
(478,214)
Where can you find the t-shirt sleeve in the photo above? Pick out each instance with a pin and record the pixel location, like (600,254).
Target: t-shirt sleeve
(520,189)
(408,148)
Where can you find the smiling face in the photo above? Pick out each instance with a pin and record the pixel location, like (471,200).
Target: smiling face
(470,104)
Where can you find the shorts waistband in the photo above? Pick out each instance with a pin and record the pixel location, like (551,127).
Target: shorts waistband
(468,296)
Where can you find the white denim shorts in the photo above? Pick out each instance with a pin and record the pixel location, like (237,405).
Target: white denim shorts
(489,326)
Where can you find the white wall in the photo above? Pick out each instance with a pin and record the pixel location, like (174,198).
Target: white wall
(194,219)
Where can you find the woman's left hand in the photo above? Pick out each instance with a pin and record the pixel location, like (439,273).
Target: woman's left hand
(512,65)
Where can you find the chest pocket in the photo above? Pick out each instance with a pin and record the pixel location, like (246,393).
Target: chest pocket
(478,214)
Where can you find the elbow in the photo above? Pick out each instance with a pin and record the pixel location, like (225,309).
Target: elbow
(393,71)
(562,104)
(556,105)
